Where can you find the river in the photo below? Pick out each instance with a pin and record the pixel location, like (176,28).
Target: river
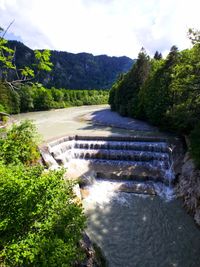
(132,230)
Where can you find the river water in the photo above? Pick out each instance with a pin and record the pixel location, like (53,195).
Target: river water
(132,230)
(69,121)
(141,231)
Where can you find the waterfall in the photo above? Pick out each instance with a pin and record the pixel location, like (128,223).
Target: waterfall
(135,164)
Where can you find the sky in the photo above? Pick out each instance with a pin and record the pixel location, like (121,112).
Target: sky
(111,27)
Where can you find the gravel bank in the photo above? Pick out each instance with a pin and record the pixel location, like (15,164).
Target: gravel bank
(113,119)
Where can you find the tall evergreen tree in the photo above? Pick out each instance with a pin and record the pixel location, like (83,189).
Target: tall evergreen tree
(124,94)
(157,55)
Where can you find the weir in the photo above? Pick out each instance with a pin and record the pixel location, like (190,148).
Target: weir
(139,164)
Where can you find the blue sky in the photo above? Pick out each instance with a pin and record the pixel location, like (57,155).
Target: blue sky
(112,27)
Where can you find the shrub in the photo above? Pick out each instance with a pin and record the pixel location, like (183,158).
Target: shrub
(40,223)
(20,144)
(2,109)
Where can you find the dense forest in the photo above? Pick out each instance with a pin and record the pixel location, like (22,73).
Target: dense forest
(165,92)
(36,97)
(74,71)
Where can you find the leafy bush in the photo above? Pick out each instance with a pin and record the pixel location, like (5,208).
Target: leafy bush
(40,223)
(2,109)
(20,144)
(9,99)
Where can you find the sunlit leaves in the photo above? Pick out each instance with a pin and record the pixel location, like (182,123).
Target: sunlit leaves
(40,223)
(43,60)
(6,55)
(27,72)
(7,58)
(20,144)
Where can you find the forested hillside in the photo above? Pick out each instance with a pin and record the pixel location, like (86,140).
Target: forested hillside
(74,71)
(165,92)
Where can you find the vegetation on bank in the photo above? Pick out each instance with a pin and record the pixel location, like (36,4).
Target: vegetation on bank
(165,92)
(41,224)
(36,97)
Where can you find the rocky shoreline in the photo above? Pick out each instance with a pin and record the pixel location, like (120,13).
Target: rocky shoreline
(188,187)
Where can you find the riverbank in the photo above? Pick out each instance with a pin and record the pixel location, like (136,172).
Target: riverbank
(188,187)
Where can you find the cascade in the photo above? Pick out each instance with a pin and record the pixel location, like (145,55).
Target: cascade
(140,164)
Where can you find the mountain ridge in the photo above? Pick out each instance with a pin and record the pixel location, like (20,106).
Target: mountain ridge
(75,71)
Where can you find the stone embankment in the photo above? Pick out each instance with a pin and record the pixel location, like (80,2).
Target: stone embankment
(188,187)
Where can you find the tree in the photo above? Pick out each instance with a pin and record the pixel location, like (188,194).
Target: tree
(41,224)
(9,98)
(124,94)
(185,90)
(20,144)
(26,98)
(157,55)
(42,99)
(194,36)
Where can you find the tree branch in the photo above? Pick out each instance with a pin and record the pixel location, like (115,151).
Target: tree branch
(7,29)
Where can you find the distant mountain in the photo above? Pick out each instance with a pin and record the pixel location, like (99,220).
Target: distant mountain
(76,71)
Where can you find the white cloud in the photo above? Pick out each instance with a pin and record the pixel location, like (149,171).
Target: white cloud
(112,27)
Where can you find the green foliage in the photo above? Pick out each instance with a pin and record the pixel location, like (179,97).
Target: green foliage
(41,224)
(42,99)
(36,97)
(124,93)
(185,90)
(11,73)
(43,60)
(9,99)
(2,109)
(20,144)
(194,36)
(27,72)
(164,92)
(6,56)
(26,94)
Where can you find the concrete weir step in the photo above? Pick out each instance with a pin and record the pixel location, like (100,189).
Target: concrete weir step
(113,154)
(119,145)
(115,157)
